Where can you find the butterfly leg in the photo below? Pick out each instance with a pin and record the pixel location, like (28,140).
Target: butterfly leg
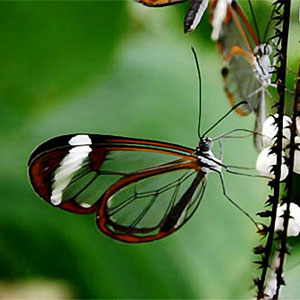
(234,203)
(274,63)
(273,85)
(227,169)
(292,70)
(253,94)
(259,120)
(220,149)
(227,134)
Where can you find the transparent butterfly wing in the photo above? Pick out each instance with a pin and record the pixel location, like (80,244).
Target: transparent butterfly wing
(151,207)
(74,175)
(236,43)
(236,31)
(240,82)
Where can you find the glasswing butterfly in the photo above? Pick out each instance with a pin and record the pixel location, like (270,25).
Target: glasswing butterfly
(142,190)
(247,67)
(193,15)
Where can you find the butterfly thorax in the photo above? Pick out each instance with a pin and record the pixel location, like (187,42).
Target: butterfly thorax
(262,64)
(207,160)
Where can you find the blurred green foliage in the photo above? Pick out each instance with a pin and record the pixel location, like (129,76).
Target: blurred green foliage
(120,68)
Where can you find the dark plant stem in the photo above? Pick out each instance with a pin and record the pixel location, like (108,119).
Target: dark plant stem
(289,187)
(282,36)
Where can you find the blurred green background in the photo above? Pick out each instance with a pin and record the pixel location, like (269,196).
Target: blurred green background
(116,67)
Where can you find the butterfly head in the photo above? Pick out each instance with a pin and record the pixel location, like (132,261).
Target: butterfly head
(263,49)
(204,145)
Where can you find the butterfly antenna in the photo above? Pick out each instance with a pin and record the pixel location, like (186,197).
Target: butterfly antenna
(269,23)
(254,20)
(200,90)
(224,116)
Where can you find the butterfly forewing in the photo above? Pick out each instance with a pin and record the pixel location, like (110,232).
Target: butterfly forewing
(236,42)
(160,2)
(73,171)
(236,31)
(194,13)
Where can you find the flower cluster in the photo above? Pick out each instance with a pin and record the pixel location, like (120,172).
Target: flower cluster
(266,159)
(294,221)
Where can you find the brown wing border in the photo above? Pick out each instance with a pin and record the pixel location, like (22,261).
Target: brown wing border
(160,3)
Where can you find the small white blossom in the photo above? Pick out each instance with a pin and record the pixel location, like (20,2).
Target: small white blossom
(265,161)
(297,155)
(294,221)
(271,285)
(298,125)
(270,129)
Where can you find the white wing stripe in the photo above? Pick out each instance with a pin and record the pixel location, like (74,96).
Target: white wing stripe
(199,14)
(80,139)
(219,15)
(71,163)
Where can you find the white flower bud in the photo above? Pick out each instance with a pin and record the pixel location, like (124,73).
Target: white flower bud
(270,130)
(294,221)
(265,161)
(298,125)
(271,285)
(297,155)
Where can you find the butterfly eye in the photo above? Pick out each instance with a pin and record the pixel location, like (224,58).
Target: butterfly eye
(205,145)
(258,51)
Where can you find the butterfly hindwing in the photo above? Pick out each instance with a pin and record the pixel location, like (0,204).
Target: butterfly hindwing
(239,81)
(145,206)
